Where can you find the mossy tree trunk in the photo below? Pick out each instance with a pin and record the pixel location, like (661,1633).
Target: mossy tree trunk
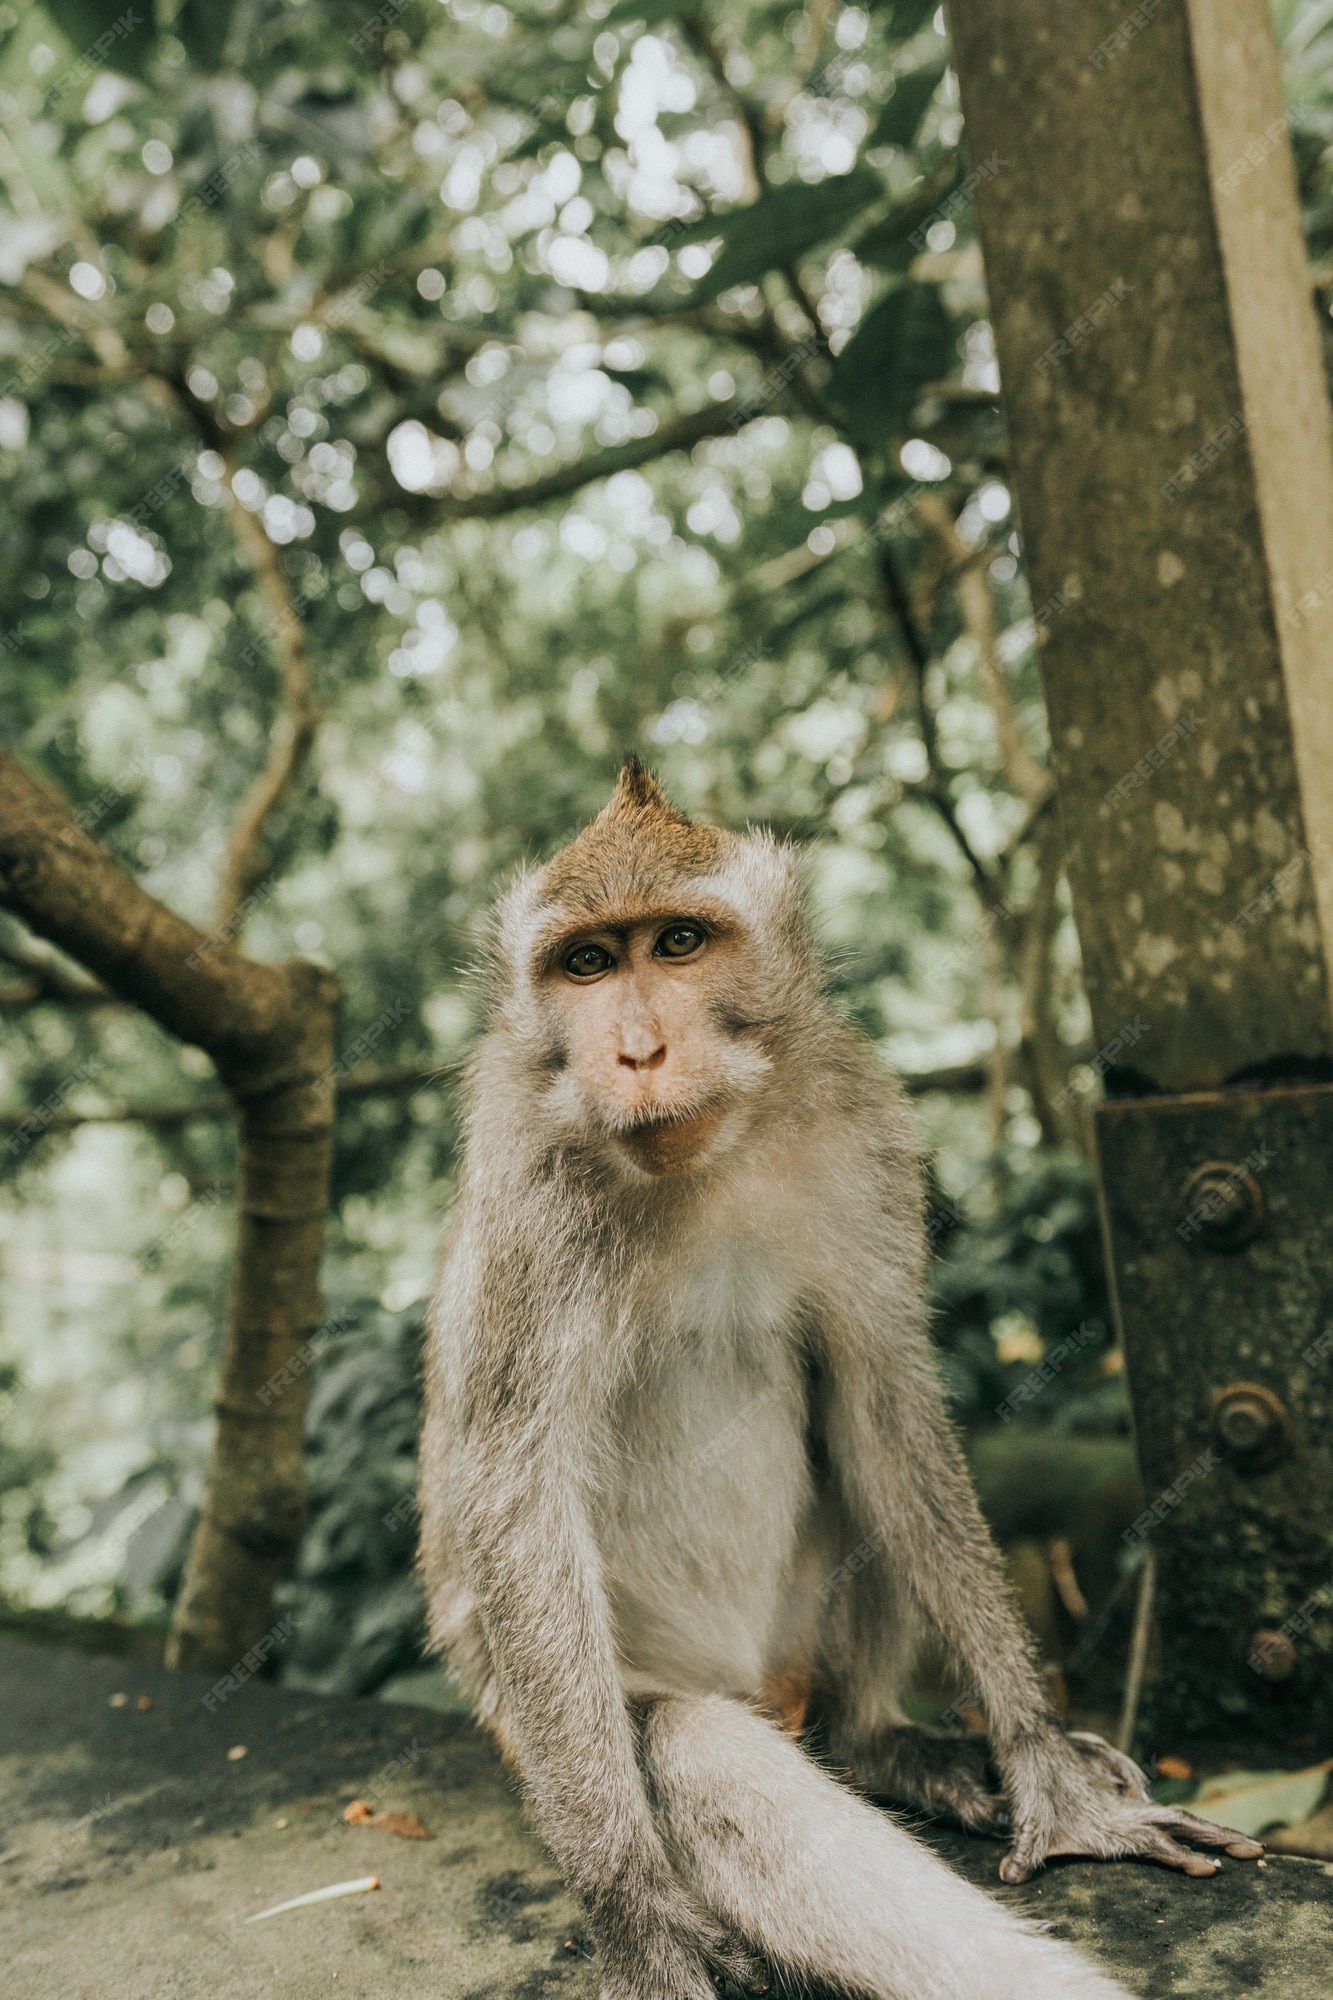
(1172,457)
(270,1032)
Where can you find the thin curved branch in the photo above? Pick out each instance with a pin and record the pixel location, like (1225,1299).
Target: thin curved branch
(935,791)
(1029,779)
(699,35)
(45,978)
(167,1117)
(713,421)
(63,309)
(249,863)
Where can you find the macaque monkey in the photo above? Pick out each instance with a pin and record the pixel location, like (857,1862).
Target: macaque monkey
(690,1495)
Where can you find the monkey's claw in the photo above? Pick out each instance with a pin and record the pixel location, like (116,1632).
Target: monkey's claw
(1076,1795)
(1136,1832)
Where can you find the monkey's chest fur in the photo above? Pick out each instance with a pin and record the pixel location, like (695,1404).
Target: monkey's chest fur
(711,1523)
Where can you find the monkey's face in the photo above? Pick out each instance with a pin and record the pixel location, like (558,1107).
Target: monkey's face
(649,1047)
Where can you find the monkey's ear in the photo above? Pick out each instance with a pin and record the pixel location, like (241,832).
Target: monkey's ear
(637,792)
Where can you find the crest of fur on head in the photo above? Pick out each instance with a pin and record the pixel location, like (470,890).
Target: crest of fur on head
(639,862)
(643,857)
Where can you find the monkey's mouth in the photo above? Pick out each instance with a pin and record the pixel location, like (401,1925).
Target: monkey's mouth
(670,1142)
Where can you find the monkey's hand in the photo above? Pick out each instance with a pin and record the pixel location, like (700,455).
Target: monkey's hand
(664,1945)
(1075,1795)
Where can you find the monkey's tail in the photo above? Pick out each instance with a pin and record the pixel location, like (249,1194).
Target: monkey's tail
(826,1885)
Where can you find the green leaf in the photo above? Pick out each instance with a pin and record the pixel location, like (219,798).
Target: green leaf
(900,119)
(781,226)
(903,342)
(100,34)
(1252,1801)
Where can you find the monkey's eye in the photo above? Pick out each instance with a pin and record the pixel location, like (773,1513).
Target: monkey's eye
(678,941)
(586,961)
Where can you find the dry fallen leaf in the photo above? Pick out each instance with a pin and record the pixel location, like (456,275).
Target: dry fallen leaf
(237,1751)
(405,1824)
(144,1703)
(117,1700)
(1174,1767)
(1313,1836)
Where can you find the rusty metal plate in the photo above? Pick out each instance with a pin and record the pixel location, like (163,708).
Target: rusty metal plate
(1217,1212)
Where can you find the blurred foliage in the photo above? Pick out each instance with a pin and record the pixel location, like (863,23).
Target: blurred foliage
(600,376)
(354,1601)
(1020,1272)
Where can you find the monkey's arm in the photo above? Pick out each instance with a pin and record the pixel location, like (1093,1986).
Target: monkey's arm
(904,1475)
(532,1565)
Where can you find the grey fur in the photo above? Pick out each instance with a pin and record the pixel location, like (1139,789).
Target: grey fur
(685,1435)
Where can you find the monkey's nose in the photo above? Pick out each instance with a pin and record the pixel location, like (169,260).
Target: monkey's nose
(653,1060)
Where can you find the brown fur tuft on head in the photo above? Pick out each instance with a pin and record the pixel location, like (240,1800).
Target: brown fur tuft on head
(633,853)
(637,790)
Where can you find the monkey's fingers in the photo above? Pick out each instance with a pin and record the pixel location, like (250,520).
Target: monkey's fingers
(1022,1861)
(1148,1836)
(1190,1827)
(1131,1782)
(732,1962)
(1158,1845)
(748,1973)
(755,1983)
(983,1813)
(1147,1843)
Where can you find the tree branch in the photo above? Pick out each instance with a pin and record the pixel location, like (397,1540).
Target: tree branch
(249,864)
(935,792)
(699,35)
(73,892)
(1025,774)
(46,979)
(70,313)
(678,435)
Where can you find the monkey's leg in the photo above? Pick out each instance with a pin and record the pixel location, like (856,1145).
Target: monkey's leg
(824,1884)
(901,1467)
(872,1637)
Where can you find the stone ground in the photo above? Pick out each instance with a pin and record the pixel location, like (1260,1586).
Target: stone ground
(134,1846)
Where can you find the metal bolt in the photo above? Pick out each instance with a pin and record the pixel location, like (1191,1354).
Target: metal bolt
(1251,1426)
(1222,1205)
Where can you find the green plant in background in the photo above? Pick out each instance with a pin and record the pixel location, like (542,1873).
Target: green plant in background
(354,1601)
